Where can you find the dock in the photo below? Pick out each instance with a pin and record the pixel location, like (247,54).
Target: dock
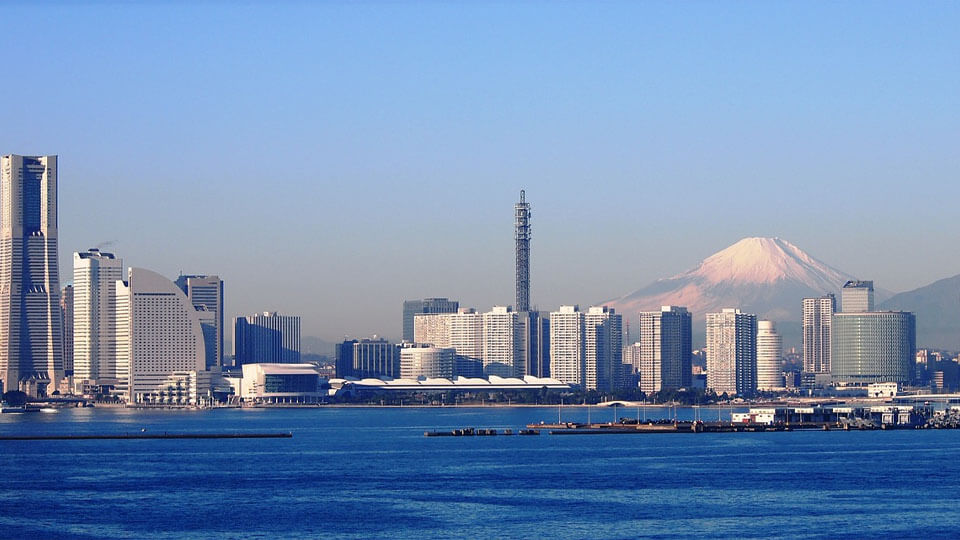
(124,436)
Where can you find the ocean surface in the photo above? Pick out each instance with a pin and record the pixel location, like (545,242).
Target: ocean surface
(370,473)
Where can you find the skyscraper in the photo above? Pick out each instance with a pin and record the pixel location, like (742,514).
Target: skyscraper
(66,310)
(428,305)
(462,331)
(503,351)
(31,332)
(769,353)
(732,352)
(566,345)
(602,348)
(522,235)
(665,349)
(872,347)
(817,325)
(418,360)
(373,358)
(95,274)
(856,297)
(266,338)
(206,295)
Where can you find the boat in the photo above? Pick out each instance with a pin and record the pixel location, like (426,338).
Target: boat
(7,408)
(48,410)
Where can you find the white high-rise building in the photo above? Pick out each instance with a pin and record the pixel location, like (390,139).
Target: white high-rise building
(503,353)
(665,349)
(602,348)
(817,328)
(566,345)
(769,354)
(31,331)
(164,339)
(856,297)
(95,274)
(732,352)
(427,361)
(462,331)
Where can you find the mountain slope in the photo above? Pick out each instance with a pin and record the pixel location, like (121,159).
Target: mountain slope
(937,307)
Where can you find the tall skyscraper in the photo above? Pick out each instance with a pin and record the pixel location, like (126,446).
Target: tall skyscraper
(769,353)
(95,274)
(665,349)
(31,334)
(462,331)
(602,348)
(871,347)
(503,346)
(266,338)
(428,305)
(206,295)
(732,352)
(66,311)
(817,325)
(536,343)
(566,345)
(856,297)
(522,235)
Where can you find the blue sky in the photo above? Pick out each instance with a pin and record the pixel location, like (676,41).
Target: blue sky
(333,159)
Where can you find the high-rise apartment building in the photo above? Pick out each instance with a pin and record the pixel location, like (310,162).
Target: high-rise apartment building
(267,338)
(856,296)
(769,354)
(503,345)
(872,347)
(428,305)
(31,332)
(462,331)
(95,274)
(418,360)
(206,295)
(566,345)
(665,349)
(66,312)
(536,343)
(602,348)
(817,325)
(732,352)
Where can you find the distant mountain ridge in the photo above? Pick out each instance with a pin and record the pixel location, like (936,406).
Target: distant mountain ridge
(937,307)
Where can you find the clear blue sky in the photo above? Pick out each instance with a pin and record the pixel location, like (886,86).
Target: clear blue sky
(331,160)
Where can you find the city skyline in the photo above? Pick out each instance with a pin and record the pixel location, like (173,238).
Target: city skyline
(590,112)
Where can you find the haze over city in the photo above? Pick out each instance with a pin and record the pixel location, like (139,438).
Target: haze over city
(331,161)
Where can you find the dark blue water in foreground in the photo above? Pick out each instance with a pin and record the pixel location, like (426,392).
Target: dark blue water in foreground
(366,473)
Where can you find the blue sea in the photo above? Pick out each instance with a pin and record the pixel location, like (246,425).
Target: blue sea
(370,473)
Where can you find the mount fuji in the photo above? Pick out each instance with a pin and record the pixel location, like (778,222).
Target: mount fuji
(766,276)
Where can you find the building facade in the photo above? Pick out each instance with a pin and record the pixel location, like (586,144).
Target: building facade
(206,295)
(566,345)
(266,338)
(428,305)
(874,347)
(817,330)
(856,296)
(503,352)
(31,331)
(602,349)
(463,331)
(665,349)
(769,354)
(95,275)
(427,361)
(374,358)
(732,352)
(66,315)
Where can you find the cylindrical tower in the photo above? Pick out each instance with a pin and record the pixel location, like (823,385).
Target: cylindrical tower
(769,353)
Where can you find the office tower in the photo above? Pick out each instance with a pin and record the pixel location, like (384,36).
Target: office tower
(417,360)
(732,352)
(817,324)
(665,349)
(375,358)
(66,311)
(206,295)
(522,236)
(267,338)
(871,347)
(462,331)
(95,274)
(856,297)
(159,339)
(536,343)
(602,348)
(769,353)
(343,358)
(503,351)
(427,305)
(31,335)
(566,345)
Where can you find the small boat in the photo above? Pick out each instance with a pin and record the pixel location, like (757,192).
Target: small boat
(48,410)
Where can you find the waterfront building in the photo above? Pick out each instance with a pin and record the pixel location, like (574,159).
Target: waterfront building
(769,355)
(873,347)
(160,344)
(206,295)
(856,296)
(503,345)
(665,349)
(374,358)
(95,274)
(463,331)
(732,352)
(343,358)
(31,331)
(566,345)
(817,325)
(417,360)
(266,338)
(279,383)
(602,348)
(66,315)
(428,305)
